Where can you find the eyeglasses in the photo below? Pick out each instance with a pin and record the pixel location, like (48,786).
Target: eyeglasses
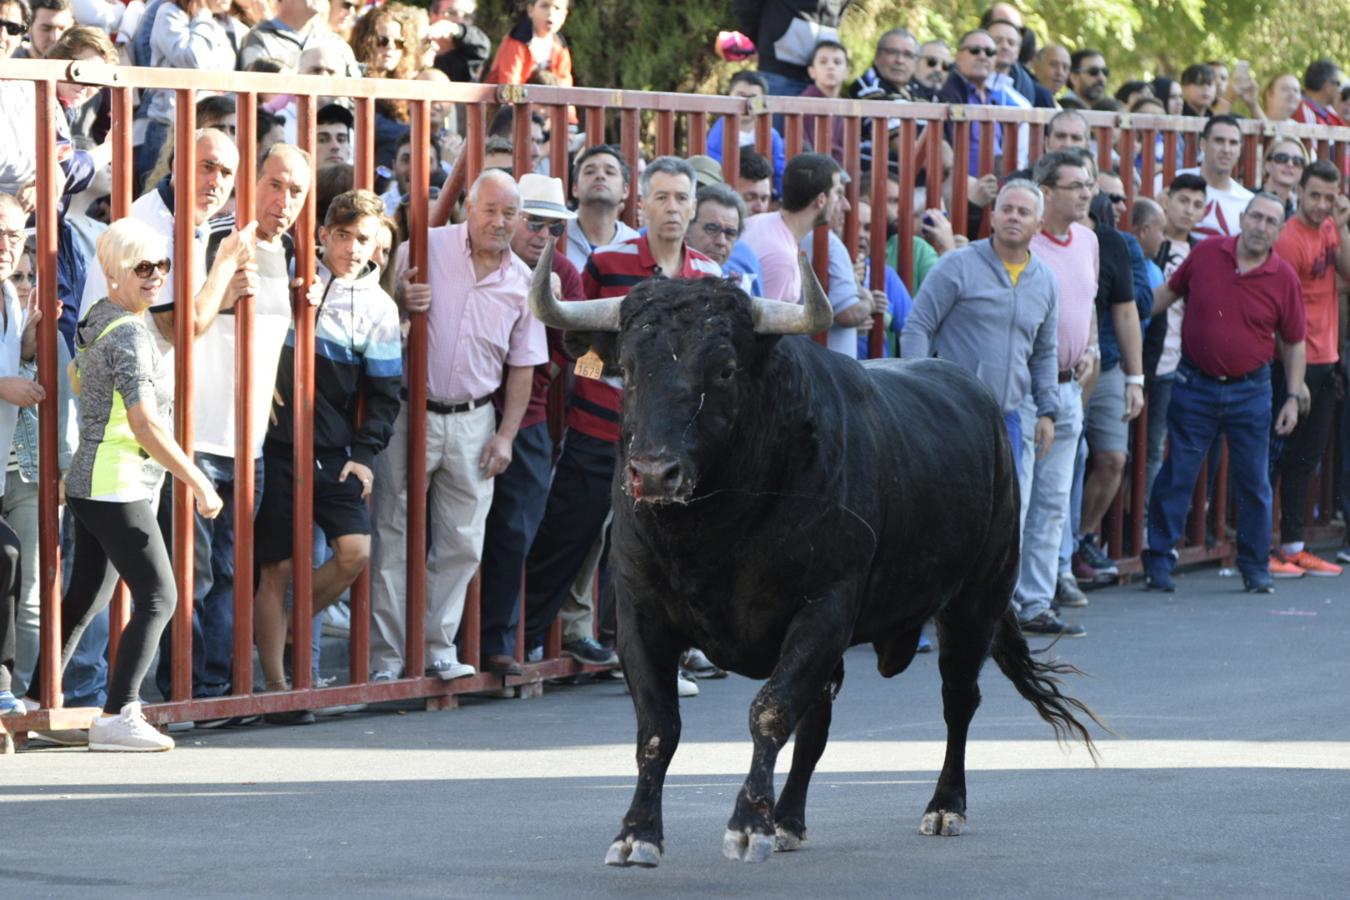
(712,229)
(1103,71)
(350,5)
(23,278)
(383,42)
(555,226)
(933,62)
(1074,186)
(14,238)
(1287,159)
(897,51)
(976,51)
(145,268)
(1116,198)
(13,29)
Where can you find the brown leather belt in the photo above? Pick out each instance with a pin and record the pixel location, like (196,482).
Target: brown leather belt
(1065,376)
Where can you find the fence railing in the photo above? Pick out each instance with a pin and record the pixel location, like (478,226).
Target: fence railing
(645,124)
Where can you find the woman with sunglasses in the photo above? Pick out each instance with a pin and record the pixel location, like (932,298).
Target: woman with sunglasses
(384,44)
(126,444)
(1285,159)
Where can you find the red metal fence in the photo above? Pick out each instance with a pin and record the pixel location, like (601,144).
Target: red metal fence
(647,123)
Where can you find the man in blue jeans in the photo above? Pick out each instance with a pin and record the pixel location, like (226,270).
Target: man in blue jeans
(1239,296)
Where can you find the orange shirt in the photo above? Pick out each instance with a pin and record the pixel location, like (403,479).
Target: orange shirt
(1312,253)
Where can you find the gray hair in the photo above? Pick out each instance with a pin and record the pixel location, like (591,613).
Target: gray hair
(1023,184)
(1069,114)
(722,195)
(1262,195)
(1145,211)
(897,32)
(666,165)
(936,42)
(496,176)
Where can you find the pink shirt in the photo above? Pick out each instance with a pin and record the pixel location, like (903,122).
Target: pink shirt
(475,328)
(1075,263)
(773,242)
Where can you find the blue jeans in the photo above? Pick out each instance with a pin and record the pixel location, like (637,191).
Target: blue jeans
(1074,525)
(212,587)
(1201,409)
(1159,398)
(1047,504)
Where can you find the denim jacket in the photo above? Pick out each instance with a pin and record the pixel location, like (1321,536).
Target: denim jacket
(67,427)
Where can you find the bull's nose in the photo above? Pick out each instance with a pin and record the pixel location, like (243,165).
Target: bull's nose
(659,478)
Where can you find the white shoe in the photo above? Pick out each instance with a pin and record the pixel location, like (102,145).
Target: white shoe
(337,621)
(450,669)
(127,732)
(685,686)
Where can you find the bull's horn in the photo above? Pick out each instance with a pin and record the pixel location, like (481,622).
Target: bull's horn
(580,315)
(813,315)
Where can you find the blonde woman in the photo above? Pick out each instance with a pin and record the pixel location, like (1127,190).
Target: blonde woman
(126,444)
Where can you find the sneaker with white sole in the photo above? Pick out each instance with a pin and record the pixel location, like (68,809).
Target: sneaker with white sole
(127,732)
(450,669)
(382,676)
(685,686)
(11,705)
(1343,555)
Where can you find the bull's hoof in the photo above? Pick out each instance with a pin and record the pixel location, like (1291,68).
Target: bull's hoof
(630,851)
(747,846)
(947,824)
(786,840)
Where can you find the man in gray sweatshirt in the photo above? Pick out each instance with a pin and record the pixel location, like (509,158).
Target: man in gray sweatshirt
(993,308)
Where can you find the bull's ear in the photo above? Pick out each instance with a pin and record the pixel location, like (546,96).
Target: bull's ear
(604,343)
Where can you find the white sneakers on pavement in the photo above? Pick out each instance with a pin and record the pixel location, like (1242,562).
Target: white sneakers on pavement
(127,732)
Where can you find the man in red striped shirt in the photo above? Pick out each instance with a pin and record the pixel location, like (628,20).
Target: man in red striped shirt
(579,499)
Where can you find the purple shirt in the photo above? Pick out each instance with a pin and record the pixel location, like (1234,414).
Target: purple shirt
(476,328)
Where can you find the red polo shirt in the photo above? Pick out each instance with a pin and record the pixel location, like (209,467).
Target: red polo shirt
(1231,317)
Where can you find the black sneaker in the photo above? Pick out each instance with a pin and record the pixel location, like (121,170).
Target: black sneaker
(1047,624)
(588,651)
(1094,556)
(1258,584)
(290,717)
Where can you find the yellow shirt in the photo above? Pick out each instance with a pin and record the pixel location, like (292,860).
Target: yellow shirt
(1015,270)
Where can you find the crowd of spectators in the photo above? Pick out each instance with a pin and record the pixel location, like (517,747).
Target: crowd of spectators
(1216,307)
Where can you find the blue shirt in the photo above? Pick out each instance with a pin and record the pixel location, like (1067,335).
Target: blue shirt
(897,295)
(779,152)
(743,261)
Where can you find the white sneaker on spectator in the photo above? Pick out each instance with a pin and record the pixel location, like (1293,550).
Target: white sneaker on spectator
(450,669)
(685,686)
(380,676)
(127,732)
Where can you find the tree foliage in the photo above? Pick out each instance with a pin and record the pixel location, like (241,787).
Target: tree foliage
(666,45)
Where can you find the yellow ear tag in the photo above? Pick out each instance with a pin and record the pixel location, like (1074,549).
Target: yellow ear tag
(590,365)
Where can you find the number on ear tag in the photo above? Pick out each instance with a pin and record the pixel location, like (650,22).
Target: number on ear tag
(590,365)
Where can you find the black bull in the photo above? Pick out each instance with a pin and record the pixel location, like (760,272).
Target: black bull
(775,504)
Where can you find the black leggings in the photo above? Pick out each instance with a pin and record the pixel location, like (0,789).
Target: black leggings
(112,540)
(9,601)
(1296,456)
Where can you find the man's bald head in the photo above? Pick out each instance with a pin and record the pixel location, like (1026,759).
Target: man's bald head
(213,176)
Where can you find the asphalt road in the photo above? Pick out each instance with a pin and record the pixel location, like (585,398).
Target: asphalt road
(1229,778)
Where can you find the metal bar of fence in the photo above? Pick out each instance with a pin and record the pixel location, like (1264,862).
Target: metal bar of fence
(794,140)
(904,211)
(244,487)
(665,132)
(763,134)
(731,148)
(1149,162)
(595,125)
(630,139)
(988,165)
(557,147)
(184,289)
(302,455)
(876,248)
(698,135)
(416,356)
(49,573)
(521,127)
(960,173)
(363,167)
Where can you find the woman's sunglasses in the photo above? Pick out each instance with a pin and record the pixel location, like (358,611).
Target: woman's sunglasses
(145,268)
(1287,159)
(383,42)
(13,29)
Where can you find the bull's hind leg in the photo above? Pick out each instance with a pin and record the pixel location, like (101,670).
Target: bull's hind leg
(650,656)
(789,816)
(811,653)
(964,644)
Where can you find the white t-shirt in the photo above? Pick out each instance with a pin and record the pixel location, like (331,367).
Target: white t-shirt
(11,343)
(213,364)
(1223,208)
(1171,352)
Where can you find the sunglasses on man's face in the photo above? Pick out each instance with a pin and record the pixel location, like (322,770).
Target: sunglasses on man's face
(1116,198)
(555,226)
(13,29)
(145,268)
(976,51)
(1093,72)
(1287,159)
(933,62)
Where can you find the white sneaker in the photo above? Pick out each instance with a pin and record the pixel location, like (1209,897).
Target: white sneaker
(685,686)
(337,621)
(127,732)
(450,669)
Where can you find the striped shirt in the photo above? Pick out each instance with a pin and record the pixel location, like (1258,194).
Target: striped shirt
(613,271)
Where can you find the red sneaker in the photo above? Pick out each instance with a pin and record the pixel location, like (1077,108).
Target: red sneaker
(1313,565)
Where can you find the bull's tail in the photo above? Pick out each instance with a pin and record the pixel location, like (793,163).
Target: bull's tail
(1039,683)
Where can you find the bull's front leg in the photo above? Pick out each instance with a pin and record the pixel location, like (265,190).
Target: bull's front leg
(810,656)
(650,654)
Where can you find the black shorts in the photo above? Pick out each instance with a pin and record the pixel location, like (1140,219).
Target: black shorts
(338,507)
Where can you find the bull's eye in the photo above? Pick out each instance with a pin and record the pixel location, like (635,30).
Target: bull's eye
(728,372)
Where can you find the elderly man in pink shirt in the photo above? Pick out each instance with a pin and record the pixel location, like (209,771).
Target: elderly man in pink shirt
(479,327)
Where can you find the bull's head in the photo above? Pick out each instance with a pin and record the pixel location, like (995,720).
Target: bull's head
(689,353)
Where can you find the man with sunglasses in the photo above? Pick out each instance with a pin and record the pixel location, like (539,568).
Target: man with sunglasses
(481,338)
(1087,75)
(932,66)
(520,492)
(971,82)
(13,27)
(1316,243)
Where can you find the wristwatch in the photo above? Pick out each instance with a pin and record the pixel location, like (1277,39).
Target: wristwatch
(1134,379)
